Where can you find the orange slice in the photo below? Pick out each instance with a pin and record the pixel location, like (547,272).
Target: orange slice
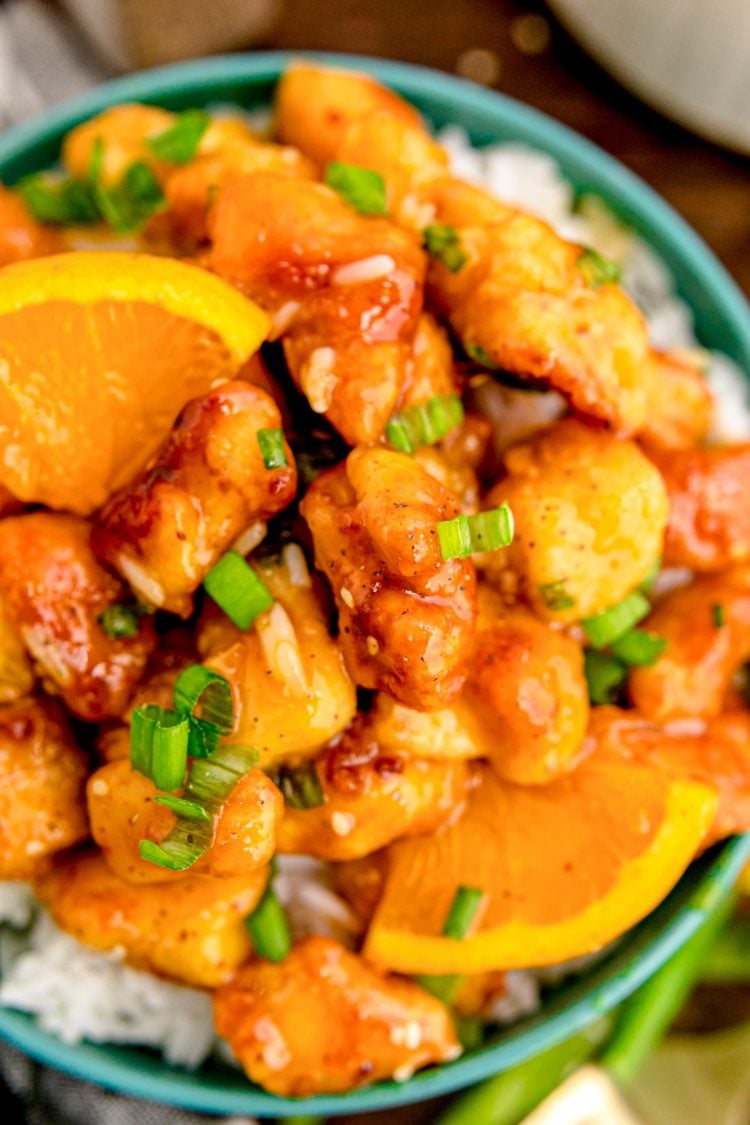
(98,353)
(565,867)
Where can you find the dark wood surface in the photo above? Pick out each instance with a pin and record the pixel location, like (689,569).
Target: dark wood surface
(708,185)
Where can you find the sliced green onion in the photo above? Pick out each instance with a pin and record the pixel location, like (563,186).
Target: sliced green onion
(96,161)
(235,586)
(191,810)
(606,628)
(211,780)
(597,270)
(605,676)
(424,423)
(199,685)
(647,584)
(179,143)
(555,596)
(209,784)
(718,616)
(301,786)
(185,844)
(119,621)
(443,244)
(268,927)
(462,912)
(126,206)
(272,450)
(159,745)
(363,189)
(59,203)
(480,355)
(639,648)
(486,531)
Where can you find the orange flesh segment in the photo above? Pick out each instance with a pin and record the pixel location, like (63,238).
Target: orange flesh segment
(98,354)
(566,868)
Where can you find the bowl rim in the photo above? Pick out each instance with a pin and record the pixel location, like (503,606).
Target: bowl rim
(653,941)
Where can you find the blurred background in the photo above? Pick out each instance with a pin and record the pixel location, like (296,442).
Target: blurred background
(664,85)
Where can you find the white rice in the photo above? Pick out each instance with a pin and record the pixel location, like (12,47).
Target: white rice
(77,993)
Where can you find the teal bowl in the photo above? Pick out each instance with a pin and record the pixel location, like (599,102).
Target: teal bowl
(722,321)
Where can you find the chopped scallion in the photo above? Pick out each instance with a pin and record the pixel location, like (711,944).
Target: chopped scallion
(639,648)
(555,596)
(443,244)
(268,927)
(607,627)
(458,921)
(209,784)
(605,676)
(424,423)
(718,615)
(126,206)
(179,143)
(191,810)
(597,270)
(486,531)
(272,450)
(463,910)
(301,786)
(235,586)
(96,161)
(363,189)
(480,355)
(119,620)
(59,202)
(196,685)
(159,745)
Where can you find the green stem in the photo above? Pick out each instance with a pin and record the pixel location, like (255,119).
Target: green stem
(728,960)
(506,1098)
(645,1018)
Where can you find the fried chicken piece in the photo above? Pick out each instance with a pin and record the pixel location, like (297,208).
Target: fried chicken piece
(367,1025)
(406,616)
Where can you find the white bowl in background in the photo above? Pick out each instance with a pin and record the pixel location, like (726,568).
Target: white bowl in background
(690,59)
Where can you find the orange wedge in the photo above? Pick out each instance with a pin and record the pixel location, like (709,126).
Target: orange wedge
(98,353)
(565,868)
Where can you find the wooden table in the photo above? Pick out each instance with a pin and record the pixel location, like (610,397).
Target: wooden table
(711,187)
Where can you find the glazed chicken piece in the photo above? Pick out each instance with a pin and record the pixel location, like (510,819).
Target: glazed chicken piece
(195,932)
(527,693)
(370,797)
(55,592)
(122,131)
(716,753)
(226,149)
(315,106)
(345,292)
(709,517)
(367,1026)
(524,707)
(290,688)
(707,629)
(122,812)
(680,404)
(590,513)
(42,806)
(406,616)
(16,676)
(523,302)
(21,236)
(206,485)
